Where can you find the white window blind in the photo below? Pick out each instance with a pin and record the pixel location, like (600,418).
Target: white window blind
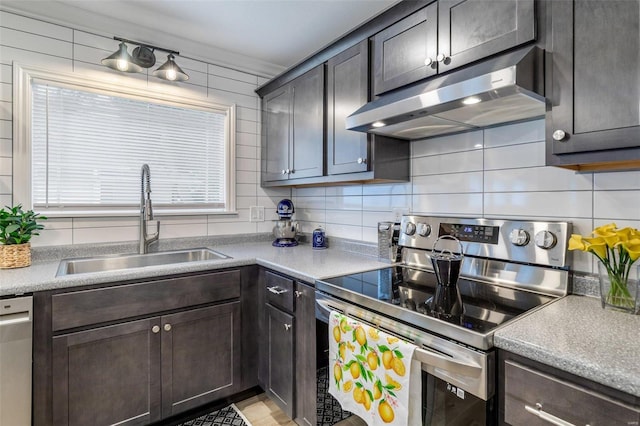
(88,148)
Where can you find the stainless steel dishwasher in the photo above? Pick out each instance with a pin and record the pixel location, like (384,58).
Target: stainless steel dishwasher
(15,360)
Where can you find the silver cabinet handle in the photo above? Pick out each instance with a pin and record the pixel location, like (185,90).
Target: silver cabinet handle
(288,171)
(298,293)
(537,411)
(167,327)
(362,160)
(287,327)
(284,172)
(428,61)
(155,329)
(441,57)
(277,290)
(559,135)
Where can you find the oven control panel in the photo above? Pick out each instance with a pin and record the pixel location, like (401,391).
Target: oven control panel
(537,242)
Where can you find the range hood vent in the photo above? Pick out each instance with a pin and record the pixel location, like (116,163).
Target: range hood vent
(500,90)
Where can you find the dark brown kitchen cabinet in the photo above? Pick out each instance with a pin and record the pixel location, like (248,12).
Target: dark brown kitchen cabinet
(136,353)
(287,363)
(535,394)
(448,34)
(593,121)
(305,360)
(293,129)
(351,154)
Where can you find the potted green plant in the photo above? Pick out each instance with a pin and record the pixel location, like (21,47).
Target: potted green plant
(16,229)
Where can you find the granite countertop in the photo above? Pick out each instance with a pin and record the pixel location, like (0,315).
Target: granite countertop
(301,262)
(576,335)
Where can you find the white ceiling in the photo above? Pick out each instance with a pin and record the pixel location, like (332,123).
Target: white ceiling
(267,35)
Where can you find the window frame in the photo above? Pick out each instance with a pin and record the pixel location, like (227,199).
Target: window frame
(24,76)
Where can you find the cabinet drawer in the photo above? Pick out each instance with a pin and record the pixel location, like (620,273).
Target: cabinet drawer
(279,291)
(533,398)
(95,306)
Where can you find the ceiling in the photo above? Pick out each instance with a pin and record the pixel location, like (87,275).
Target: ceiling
(266,35)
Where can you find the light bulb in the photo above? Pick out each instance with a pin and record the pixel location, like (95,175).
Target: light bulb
(122,64)
(171,74)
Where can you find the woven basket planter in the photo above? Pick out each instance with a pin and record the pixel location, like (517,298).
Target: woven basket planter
(15,255)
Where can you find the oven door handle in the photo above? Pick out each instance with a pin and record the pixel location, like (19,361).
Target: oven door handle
(447,363)
(424,356)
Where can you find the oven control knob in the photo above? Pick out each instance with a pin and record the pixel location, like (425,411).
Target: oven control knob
(546,240)
(410,228)
(519,237)
(424,230)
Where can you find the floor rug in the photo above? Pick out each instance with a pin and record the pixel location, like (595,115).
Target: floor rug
(329,411)
(227,416)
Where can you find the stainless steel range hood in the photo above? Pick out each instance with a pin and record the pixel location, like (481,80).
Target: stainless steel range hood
(500,90)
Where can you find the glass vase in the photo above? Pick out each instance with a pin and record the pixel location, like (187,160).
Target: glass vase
(619,294)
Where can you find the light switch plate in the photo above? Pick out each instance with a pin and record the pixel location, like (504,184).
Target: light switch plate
(256,214)
(399,211)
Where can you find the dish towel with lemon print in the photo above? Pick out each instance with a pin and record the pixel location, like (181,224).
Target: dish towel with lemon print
(372,373)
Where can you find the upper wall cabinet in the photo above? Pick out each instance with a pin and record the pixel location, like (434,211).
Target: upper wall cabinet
(448,34)
(594,119)
(293,129)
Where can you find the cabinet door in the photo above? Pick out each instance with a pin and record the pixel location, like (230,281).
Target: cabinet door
(200,356)
(406,51)
(594,78)
(347,90)
(108,375)
(276,131)
(305,355)
(280,353)
(306,150)
(469,30)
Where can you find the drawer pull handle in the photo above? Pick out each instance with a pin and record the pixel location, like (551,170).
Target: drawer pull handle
(167,327)
(537,411)
(287,327)
(298,293)
(155,329)
(277,290)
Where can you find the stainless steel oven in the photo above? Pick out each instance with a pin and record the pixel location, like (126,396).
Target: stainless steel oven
(510,269)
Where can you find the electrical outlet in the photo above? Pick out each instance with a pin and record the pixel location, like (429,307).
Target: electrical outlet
(256,214)
(398,212)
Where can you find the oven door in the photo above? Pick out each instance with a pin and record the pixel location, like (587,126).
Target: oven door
(458,383)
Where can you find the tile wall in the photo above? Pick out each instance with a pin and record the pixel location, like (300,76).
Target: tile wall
(497,172)
(54,47)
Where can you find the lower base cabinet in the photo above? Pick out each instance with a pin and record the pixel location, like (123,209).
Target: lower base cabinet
(535,394)
(280,358)
(141,371)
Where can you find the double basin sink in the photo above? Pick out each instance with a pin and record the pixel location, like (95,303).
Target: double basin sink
(128,261)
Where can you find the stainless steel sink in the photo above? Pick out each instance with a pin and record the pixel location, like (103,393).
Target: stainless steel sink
(111,263)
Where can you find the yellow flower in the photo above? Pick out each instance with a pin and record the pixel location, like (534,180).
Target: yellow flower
(603,230)
(597,245)
(576,243)
(633,248)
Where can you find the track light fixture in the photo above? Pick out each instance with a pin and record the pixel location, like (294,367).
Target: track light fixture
(143,57)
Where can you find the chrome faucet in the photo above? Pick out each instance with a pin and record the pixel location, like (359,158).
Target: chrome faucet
(146,211)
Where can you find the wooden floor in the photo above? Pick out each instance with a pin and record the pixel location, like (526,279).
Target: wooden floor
(261,411)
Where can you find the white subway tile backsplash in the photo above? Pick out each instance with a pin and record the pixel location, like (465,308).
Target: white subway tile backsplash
(530,131)
(344,231)
(5,151)
(370,235)
(6,165)
(6,92)
(246,126)
(341,191)
(53,237)
(459,162)
(448,204)
(315,216)
(246,151)
(110,234)
(448,183)
(387,188)
(616,204)
(344,217)
(5,200)
(6,110)
(536,179)
(371,218)
(514,156)
(232,85)
(232,74)
(616,180)
(9,55)
(36,43)
(249,114)
(182,230)
(243,176)
(385,202)
(560,204)
(5,185)
(227,97)
(248,139)
(313,191)
(231,228)
(316,203)
(246,164)
(36,26)
(245,189)
(348,202)
(447,144)
(6,75)
(6,129)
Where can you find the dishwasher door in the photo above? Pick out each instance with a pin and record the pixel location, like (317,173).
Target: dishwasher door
(15,360)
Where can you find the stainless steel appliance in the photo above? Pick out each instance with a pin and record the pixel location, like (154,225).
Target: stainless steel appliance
(15,360)
(388,235)
(510,268)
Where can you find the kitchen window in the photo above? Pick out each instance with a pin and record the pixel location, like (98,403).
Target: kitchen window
(87,143)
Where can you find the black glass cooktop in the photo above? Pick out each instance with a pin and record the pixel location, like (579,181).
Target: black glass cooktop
(484,306)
